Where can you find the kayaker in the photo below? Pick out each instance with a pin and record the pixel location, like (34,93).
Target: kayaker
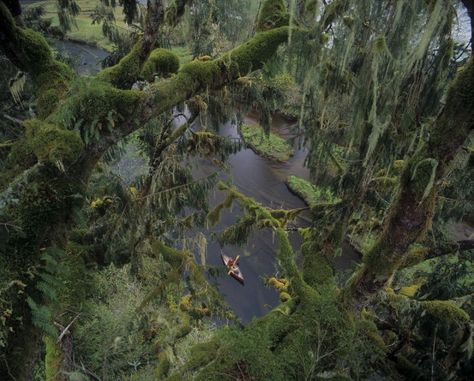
(232,263)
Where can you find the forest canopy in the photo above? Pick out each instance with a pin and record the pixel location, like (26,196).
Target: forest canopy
(328,144)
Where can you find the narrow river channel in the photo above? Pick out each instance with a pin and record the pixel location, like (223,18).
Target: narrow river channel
(255,176)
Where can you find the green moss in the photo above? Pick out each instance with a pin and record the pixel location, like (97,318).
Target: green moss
(410,291)
(52,360)
(253,54)
(284,297)
(36,51)
(317,269)
(161,62)
(199,75)
(53,144)
(19,159)
(445,311)
(183,330)
(310,193)
(35,57)
(279,284)
(273,14)
(454,125)
(176,258)
(270,146)
(333,10)
(126,72)
(52,83)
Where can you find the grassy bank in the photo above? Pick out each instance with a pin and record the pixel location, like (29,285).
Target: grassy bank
(270,146)
(310,193)
(85,30)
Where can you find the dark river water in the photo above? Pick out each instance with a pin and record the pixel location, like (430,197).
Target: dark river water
(84,58)
(253,175)
(263,180)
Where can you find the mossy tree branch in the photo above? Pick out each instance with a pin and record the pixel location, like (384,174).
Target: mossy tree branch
(418,255)
(46,196)
(30,52)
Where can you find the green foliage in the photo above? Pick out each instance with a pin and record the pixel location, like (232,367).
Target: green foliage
(256,216)
(119,336)
(95,108)
(279,346)
(53,358)
(270,146)
(361,79)
(160,62)
(50,287)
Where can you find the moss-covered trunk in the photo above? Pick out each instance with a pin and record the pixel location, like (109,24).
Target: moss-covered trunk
(410,215)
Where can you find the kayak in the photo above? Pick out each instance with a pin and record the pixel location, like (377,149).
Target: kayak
(235,273)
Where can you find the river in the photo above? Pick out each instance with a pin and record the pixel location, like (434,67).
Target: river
(253,175)
(263,180)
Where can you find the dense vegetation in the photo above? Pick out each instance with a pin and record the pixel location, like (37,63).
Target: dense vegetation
(106,278)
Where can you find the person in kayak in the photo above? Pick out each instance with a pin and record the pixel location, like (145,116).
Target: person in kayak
(232,264)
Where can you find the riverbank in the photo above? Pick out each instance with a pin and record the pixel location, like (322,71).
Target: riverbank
(84,31)
(309,193)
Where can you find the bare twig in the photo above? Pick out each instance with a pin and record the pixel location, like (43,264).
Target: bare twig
(65,330)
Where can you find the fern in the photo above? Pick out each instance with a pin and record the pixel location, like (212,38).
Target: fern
(16,86)
(50,288)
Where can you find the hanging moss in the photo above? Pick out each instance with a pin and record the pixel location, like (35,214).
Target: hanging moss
(273,14)
(176,258)
(214,215)
(161,62)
